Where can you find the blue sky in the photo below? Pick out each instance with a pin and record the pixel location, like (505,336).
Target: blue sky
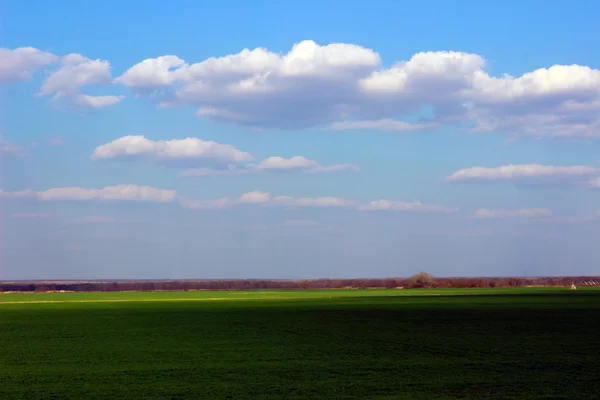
(318,139)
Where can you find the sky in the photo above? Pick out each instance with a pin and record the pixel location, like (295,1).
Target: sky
(263,139)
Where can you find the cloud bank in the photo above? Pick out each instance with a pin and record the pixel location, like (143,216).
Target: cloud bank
(520,213)
(337,85)
(347,86)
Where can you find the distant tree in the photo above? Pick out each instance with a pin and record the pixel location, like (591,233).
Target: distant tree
(422,280)
(515,282)
(390,283)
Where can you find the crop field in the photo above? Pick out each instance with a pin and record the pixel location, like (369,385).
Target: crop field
(525,343)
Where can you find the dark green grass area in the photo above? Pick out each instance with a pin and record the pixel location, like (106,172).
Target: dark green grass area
(385,344)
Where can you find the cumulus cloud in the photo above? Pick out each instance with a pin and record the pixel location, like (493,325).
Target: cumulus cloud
(347,86)
(109,193)
(76,72)
(193,150)
(151,74)
(340,85)
(272,164)
(522,213)
(188,149)
(309,85)
(19,64)
(389,205)
(523,172)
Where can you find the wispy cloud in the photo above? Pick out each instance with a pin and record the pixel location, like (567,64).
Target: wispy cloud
(390,205)
(109,193)
(518,213)
(524,173)
(272,164)
(31,215)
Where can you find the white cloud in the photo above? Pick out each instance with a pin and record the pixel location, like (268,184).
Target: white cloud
(295,162)
(200,151)
(109,193)
(348,86)
(263,198)
(187,149)
(255,197)
(308,85)
(258,197)
(151,74)
(17,65)
(31,215)
(450,70)
(522,172)
(333,168)
(300,163)
(523,213)
(76,72)
(87,101)
(389,205)
(272,164)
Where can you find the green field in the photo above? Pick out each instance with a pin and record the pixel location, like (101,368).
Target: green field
(526,343)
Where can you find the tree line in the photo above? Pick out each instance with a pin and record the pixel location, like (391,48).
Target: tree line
(420,280)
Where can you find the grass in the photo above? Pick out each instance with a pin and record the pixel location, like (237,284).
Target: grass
(531,343)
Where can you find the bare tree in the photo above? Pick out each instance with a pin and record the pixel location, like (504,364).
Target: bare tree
(422,280)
